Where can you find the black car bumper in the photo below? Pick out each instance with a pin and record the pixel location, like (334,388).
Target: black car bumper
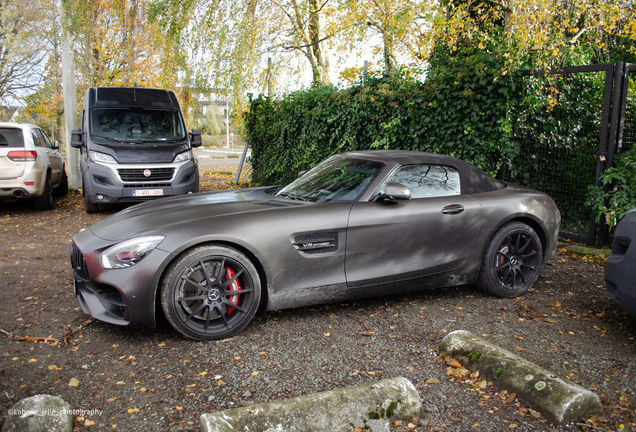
(620,268)
(117,296)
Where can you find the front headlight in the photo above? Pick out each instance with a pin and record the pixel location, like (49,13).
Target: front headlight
(101,157)
(185,156)
(129,252)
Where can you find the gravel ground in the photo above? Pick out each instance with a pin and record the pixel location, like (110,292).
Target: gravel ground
(134,379)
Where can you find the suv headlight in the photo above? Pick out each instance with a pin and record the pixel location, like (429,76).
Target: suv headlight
(101,157)
(185,156)
(129,252)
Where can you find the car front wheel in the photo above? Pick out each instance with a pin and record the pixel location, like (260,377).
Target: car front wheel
(210,292)
(512,261)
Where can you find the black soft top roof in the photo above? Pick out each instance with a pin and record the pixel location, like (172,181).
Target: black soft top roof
(472,179)
(131,97)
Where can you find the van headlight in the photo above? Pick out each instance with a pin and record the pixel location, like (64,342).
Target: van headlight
(182,157)
(130,252)
(101,157)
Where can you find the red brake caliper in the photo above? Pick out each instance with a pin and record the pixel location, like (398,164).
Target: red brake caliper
(234,286)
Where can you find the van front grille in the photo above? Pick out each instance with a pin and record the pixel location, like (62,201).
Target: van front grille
(139,174)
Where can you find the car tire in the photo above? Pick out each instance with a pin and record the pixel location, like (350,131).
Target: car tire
(197,292)
(91,207)
(46,201)
(512,261)
(62,188)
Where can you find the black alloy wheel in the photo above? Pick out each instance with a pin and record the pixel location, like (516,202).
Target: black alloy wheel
(512,261)
(210,292)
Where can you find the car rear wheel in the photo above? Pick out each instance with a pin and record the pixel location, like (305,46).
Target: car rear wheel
(62,188)
(210,292)
(512,261)
(45,202)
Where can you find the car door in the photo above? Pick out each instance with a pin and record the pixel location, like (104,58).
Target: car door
(55,158)
(431,233)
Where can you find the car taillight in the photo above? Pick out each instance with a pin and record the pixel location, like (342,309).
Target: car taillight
(22,156)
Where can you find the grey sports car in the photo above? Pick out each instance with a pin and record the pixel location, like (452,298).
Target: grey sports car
(359,224)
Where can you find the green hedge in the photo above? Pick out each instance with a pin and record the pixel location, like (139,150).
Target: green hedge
(460,110)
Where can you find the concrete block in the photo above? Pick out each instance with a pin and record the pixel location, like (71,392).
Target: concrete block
(334,410)
(558,400)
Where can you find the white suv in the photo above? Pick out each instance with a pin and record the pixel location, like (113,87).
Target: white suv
(30,166)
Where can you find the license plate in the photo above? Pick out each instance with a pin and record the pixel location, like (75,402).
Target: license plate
(147,192)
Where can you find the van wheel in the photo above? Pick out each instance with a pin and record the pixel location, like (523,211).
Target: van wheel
(91,207)
(45,202)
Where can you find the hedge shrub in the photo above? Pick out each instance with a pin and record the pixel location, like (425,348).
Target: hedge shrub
(461,109)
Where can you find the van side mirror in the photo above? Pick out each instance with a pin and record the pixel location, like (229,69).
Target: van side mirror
(56,145)
(77,138)
(195,138)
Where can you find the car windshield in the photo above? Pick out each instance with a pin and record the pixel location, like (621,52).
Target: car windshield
(335,179)
(137,124)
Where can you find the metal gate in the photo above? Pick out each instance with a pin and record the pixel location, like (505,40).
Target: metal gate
(568,133)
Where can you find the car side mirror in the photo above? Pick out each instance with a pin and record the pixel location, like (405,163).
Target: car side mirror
(77,138)
(395,192)
(195,138)
(56,145)
(301,172)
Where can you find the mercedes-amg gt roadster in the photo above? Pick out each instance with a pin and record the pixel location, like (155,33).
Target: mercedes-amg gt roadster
(358,224)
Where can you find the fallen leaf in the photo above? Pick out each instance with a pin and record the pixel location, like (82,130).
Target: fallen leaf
(327,334)
(432,381)
(73,382)
(33,360)
(455,364)
(89,423)
(520,349)
(120,383)
(54,367)
(204,373)
(558,303)
(254,373)
(511,398)
(143,389)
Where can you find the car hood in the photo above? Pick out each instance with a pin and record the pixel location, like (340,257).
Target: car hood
(157,215)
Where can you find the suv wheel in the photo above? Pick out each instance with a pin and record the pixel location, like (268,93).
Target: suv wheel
(62,188)
(45,202)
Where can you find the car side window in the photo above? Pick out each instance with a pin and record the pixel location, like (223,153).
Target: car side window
(45,139)
(426,181)
(37,140)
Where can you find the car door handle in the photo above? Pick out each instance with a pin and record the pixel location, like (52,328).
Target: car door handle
(453,209)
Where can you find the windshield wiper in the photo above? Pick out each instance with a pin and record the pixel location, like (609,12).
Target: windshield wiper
(293,196)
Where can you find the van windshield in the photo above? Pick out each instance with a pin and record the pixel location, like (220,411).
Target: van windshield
(137,124)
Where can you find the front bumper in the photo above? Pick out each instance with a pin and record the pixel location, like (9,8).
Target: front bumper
(620,267)
(116,296)
(104,181)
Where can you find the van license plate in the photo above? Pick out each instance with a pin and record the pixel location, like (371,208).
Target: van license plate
(147,192)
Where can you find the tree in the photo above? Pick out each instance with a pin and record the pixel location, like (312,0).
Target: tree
(396,22)
(226,43)
(21,47)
